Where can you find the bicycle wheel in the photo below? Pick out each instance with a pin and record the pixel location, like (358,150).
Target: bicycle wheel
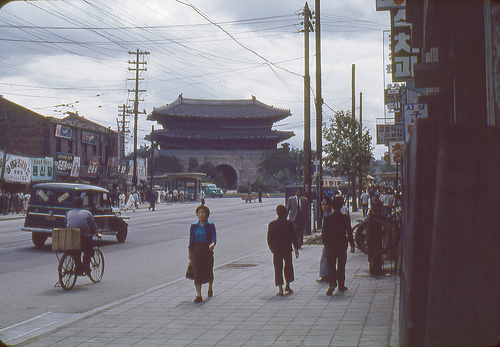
(374,229)
(96,266)
(67,271)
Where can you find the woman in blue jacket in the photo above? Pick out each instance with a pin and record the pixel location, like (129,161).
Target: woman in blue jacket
(202,240)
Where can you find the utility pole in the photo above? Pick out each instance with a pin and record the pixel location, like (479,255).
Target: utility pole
(137,63)
(353,111)
(152,162)
(307,104)
(319,115)
(124,111)
(360,137)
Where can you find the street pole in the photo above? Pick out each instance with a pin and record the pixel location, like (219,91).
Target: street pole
(152,162)
(307,105)
(360,137)
(319,116)
(353,111)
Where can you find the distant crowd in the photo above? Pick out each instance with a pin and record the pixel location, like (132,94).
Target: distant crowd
(13,202)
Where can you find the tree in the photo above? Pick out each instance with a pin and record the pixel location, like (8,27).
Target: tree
(192,164)
(347,153)
(144,151)
(164,164)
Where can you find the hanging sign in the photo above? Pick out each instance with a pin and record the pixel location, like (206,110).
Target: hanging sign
(42,169)
(17,169)
(63,131)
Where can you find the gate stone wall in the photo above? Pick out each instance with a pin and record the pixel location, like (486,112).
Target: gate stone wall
(244,162)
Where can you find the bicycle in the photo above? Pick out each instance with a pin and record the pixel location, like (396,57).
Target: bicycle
(386,231)
(67,267)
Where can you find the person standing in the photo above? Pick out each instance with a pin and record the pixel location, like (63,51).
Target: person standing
(280,238)
(5,202)
(259,194)
(326,206)
(365,198)
(202,197)
(298,210)
(202,240)
(83,220)
(336,233)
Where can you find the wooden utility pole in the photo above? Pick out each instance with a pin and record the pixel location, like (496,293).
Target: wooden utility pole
(152,162)
(124,112)
(307,104)
(319,114)
(352,176)
(136,91)
(360,136)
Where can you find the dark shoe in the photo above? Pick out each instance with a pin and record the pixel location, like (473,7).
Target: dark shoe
(322,280)
(342,288)
(280,291)
(210,293)
(330,290)
(288,289)
(198,299)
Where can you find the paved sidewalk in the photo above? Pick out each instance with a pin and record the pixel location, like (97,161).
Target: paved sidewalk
(244,311)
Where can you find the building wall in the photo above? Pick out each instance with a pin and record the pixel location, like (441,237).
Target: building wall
(244,162)
(23,131)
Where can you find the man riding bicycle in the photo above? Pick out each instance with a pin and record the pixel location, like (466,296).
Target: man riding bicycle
(83,220)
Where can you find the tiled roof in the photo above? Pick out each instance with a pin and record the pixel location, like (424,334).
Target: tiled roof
(225,135)
(251,108)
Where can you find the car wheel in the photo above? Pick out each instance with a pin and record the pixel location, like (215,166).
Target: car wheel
(212,195)
(121,235)
(38,239)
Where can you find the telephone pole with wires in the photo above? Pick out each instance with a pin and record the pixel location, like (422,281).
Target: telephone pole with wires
(307,103)
(138,65)
(319,115)
(124,111)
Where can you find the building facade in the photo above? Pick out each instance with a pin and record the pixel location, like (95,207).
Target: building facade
(231,134)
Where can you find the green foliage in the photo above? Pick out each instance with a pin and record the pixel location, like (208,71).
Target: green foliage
(192,164)
(219,180)
(346,152)
(167,164)
(244,189)
(207,168)
(144,151)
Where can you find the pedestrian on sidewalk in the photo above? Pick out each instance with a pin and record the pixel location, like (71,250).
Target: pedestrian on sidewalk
(202,240)
(280,238)
(337,231)
(299,213)
(326,206)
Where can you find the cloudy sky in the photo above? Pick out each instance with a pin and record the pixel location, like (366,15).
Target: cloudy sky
(72,55)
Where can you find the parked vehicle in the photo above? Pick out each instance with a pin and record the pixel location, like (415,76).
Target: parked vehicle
(50,201)
(212,190)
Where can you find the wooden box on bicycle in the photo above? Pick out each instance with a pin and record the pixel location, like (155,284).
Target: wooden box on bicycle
(65,239)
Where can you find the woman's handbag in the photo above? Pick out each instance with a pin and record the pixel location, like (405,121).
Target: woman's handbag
(190,272)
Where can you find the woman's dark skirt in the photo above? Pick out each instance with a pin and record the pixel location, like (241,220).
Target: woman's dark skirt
(203,263)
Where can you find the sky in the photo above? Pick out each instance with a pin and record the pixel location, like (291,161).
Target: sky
(73,56)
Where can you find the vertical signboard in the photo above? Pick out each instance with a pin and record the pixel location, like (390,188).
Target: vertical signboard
(2,162)
(403,55)
(410,113)
(93,167)
(395,152)
(75,168)
(42,169)
(17,169)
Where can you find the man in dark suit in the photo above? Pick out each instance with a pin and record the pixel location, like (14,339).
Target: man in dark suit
(298,210)
(280,238)
(336,233)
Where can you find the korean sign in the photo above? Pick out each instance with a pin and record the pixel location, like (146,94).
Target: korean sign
(64,163)
(410,113)
(42,169)
(389,132)
(2,161)
(384,5)
(17,169)
(93,166)
(395,152)
(404,56)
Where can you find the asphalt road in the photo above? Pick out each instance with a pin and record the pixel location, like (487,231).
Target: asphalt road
(154,253)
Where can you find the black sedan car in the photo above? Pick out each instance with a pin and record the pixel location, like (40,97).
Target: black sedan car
(49,203)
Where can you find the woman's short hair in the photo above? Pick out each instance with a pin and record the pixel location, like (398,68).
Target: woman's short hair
(203,207)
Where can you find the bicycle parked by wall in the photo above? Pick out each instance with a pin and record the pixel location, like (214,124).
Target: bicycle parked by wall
(67,251)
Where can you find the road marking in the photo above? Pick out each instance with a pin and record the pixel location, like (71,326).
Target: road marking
(34,324)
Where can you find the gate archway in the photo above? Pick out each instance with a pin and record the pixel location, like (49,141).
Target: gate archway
(229,174)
